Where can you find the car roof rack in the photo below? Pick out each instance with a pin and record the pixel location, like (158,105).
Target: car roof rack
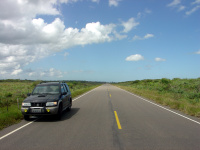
(52,82)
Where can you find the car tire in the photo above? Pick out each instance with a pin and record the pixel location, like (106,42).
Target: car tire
(26,117)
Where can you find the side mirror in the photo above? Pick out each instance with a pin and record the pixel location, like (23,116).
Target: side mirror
(29,94)
(64,93)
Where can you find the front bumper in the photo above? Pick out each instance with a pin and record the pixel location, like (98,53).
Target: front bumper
(35,111)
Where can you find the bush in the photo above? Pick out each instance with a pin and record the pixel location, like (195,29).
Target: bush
(194,101)
(136,82)
(8,95)
(165,81)
(35,83)
(193,95)
(197,88)
(147,80)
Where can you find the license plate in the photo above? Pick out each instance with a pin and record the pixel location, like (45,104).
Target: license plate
(36,111)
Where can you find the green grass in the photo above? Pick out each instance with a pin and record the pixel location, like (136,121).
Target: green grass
(180,94)
(81,91)
(13,116)
(11,90)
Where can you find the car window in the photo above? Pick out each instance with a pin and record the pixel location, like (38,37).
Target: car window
(62,89)
(66,88)
(46,89)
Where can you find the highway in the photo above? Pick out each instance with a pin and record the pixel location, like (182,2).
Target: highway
(107,118)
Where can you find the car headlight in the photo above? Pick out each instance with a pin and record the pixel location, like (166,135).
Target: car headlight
(26,104)
(51,103)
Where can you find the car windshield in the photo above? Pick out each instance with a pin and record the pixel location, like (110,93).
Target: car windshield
(46,89)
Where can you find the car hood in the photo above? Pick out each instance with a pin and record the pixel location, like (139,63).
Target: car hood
(41,99)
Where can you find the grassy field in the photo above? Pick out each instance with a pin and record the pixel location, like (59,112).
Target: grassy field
(180,94)
(11,90)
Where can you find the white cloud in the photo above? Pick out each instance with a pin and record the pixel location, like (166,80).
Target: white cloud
(147,11)
(50,73)
(198,52)
(192,10)
(196,2)
(188,10)
(196,6)
(54,73)
(14,57)
(25,38)
(159,59)
(114,2)
(144,13)
(66,54)
(15,72)
(181,8)
(177,4)
(135,57)
(174,3)
(129,25)
(68,1)
(119,36)
(95,33)
(95,1)
(136,37)
(26,9)
(74,1)
(147,36)
(42,39)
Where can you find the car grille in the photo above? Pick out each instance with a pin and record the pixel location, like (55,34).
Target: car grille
(38,104)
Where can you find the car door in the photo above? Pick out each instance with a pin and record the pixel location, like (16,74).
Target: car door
(64,96)
(68,95)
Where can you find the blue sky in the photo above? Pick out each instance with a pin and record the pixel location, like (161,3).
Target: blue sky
(99,40)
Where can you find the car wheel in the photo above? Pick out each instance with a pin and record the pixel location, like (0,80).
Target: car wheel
(26,117)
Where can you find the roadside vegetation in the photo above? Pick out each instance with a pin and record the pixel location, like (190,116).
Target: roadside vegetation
(13,92)
(180,94)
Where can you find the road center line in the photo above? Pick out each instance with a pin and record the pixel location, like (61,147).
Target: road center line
(161,106)
(117,120)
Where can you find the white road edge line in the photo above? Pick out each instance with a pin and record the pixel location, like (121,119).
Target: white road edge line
(17,129)
(36,119)
(85,94)
(161,106)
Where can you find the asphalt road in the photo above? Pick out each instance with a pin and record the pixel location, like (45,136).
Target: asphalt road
(92,124)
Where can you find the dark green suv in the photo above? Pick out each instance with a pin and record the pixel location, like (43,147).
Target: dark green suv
(47,98)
